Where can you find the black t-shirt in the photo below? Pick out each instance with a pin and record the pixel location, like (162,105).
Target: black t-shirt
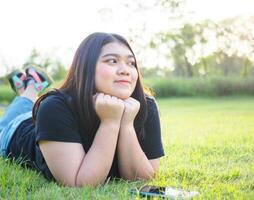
(58,121)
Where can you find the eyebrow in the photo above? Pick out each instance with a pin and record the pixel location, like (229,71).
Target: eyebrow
(117,55)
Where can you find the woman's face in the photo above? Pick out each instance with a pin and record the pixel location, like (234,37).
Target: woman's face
(115,72)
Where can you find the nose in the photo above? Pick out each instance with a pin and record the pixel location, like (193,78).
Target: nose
(123,69)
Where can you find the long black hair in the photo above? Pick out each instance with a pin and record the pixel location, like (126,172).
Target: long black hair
(80,82)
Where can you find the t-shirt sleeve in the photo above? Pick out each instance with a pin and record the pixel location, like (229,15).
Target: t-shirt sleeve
(152,143)
(56,122)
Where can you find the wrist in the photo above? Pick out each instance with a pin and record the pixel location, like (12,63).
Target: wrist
(127,121)
(127,125)
(111,123)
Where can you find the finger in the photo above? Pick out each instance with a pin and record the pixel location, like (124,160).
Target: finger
(129,101)
(120,100)
(99,97)
(107,97)
(114,98)
(95,97)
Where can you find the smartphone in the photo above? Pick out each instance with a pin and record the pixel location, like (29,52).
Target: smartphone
(150,191)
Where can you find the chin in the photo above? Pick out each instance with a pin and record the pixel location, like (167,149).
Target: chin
(122,96)
(119,94)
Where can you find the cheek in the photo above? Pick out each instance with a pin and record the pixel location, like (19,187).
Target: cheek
(135,76)
(103,72)
(103,75)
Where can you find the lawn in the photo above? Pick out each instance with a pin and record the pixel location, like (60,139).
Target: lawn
(209,146)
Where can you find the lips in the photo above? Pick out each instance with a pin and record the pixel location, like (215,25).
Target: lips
(123,81)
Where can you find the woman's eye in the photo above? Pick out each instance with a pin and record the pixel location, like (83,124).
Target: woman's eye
(132,64)
(111,61)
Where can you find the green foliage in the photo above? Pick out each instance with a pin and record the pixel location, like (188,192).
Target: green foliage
(182,46)
(209,86)
(59,72)
(53,66)
(219,63)
(6,94)
(208,147)
(206,47)
(168,87)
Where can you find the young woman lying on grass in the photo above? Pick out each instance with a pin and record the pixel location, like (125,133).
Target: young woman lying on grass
(99,124)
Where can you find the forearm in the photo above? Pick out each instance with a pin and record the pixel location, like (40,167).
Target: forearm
(132,161)
(98,160)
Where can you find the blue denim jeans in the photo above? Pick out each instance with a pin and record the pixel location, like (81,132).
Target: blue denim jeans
(19,110)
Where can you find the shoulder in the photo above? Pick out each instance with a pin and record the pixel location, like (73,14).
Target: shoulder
(152,109)
(55,96)
(55,101)
(151,103)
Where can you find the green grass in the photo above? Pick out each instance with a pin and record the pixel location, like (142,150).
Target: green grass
(209,147)
(6,94)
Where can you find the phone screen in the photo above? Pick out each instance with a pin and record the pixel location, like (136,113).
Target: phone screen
(149,191)
(153,189)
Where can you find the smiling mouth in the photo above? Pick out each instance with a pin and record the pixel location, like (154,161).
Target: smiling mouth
(123,82)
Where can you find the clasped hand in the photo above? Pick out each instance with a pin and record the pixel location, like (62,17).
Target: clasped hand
(112,109)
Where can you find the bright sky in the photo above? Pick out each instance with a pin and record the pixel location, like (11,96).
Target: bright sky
(56,27)
(220,9)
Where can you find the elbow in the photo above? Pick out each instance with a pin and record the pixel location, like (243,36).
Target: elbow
(89,182)
(86,183)
(147,175)
(77,182)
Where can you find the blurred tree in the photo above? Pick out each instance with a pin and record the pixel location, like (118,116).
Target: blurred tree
(221,63)
(144,17)
(59,71)
(53,66)
(185,46)
(233,41)
(236,37)
(36,58)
